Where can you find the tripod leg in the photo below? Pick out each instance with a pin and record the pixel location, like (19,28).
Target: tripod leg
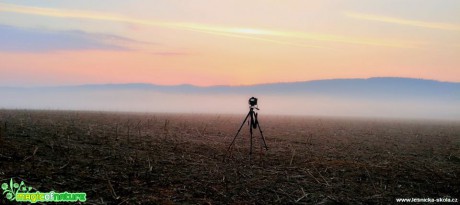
(252,125)
(233,141)
(250,132)
(261,133)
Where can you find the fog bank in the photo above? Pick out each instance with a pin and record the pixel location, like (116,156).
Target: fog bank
(151,101)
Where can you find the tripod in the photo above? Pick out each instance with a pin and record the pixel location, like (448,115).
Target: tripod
(254,124)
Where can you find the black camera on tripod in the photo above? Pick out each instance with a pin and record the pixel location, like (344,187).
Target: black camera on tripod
(252,101)
(251,117)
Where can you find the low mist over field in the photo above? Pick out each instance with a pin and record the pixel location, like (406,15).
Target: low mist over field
(375,97)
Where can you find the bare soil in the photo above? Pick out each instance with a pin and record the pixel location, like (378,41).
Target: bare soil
(132,158)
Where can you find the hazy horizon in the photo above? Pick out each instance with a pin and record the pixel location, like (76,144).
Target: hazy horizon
(269,105)
(376,97)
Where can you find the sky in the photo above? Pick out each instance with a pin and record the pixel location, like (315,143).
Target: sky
(208,42)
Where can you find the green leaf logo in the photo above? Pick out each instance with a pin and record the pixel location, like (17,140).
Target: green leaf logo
(13,188)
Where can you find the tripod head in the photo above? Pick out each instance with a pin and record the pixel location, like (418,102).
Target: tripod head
(253,103)
(254,107)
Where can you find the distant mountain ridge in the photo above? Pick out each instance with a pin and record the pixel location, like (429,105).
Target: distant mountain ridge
(371,87)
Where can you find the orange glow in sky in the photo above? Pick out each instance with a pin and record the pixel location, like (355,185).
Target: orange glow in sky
(226,43)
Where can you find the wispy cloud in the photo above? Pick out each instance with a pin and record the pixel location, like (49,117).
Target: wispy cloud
(273,36)
(401,21)
(169,53)
(15,39)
